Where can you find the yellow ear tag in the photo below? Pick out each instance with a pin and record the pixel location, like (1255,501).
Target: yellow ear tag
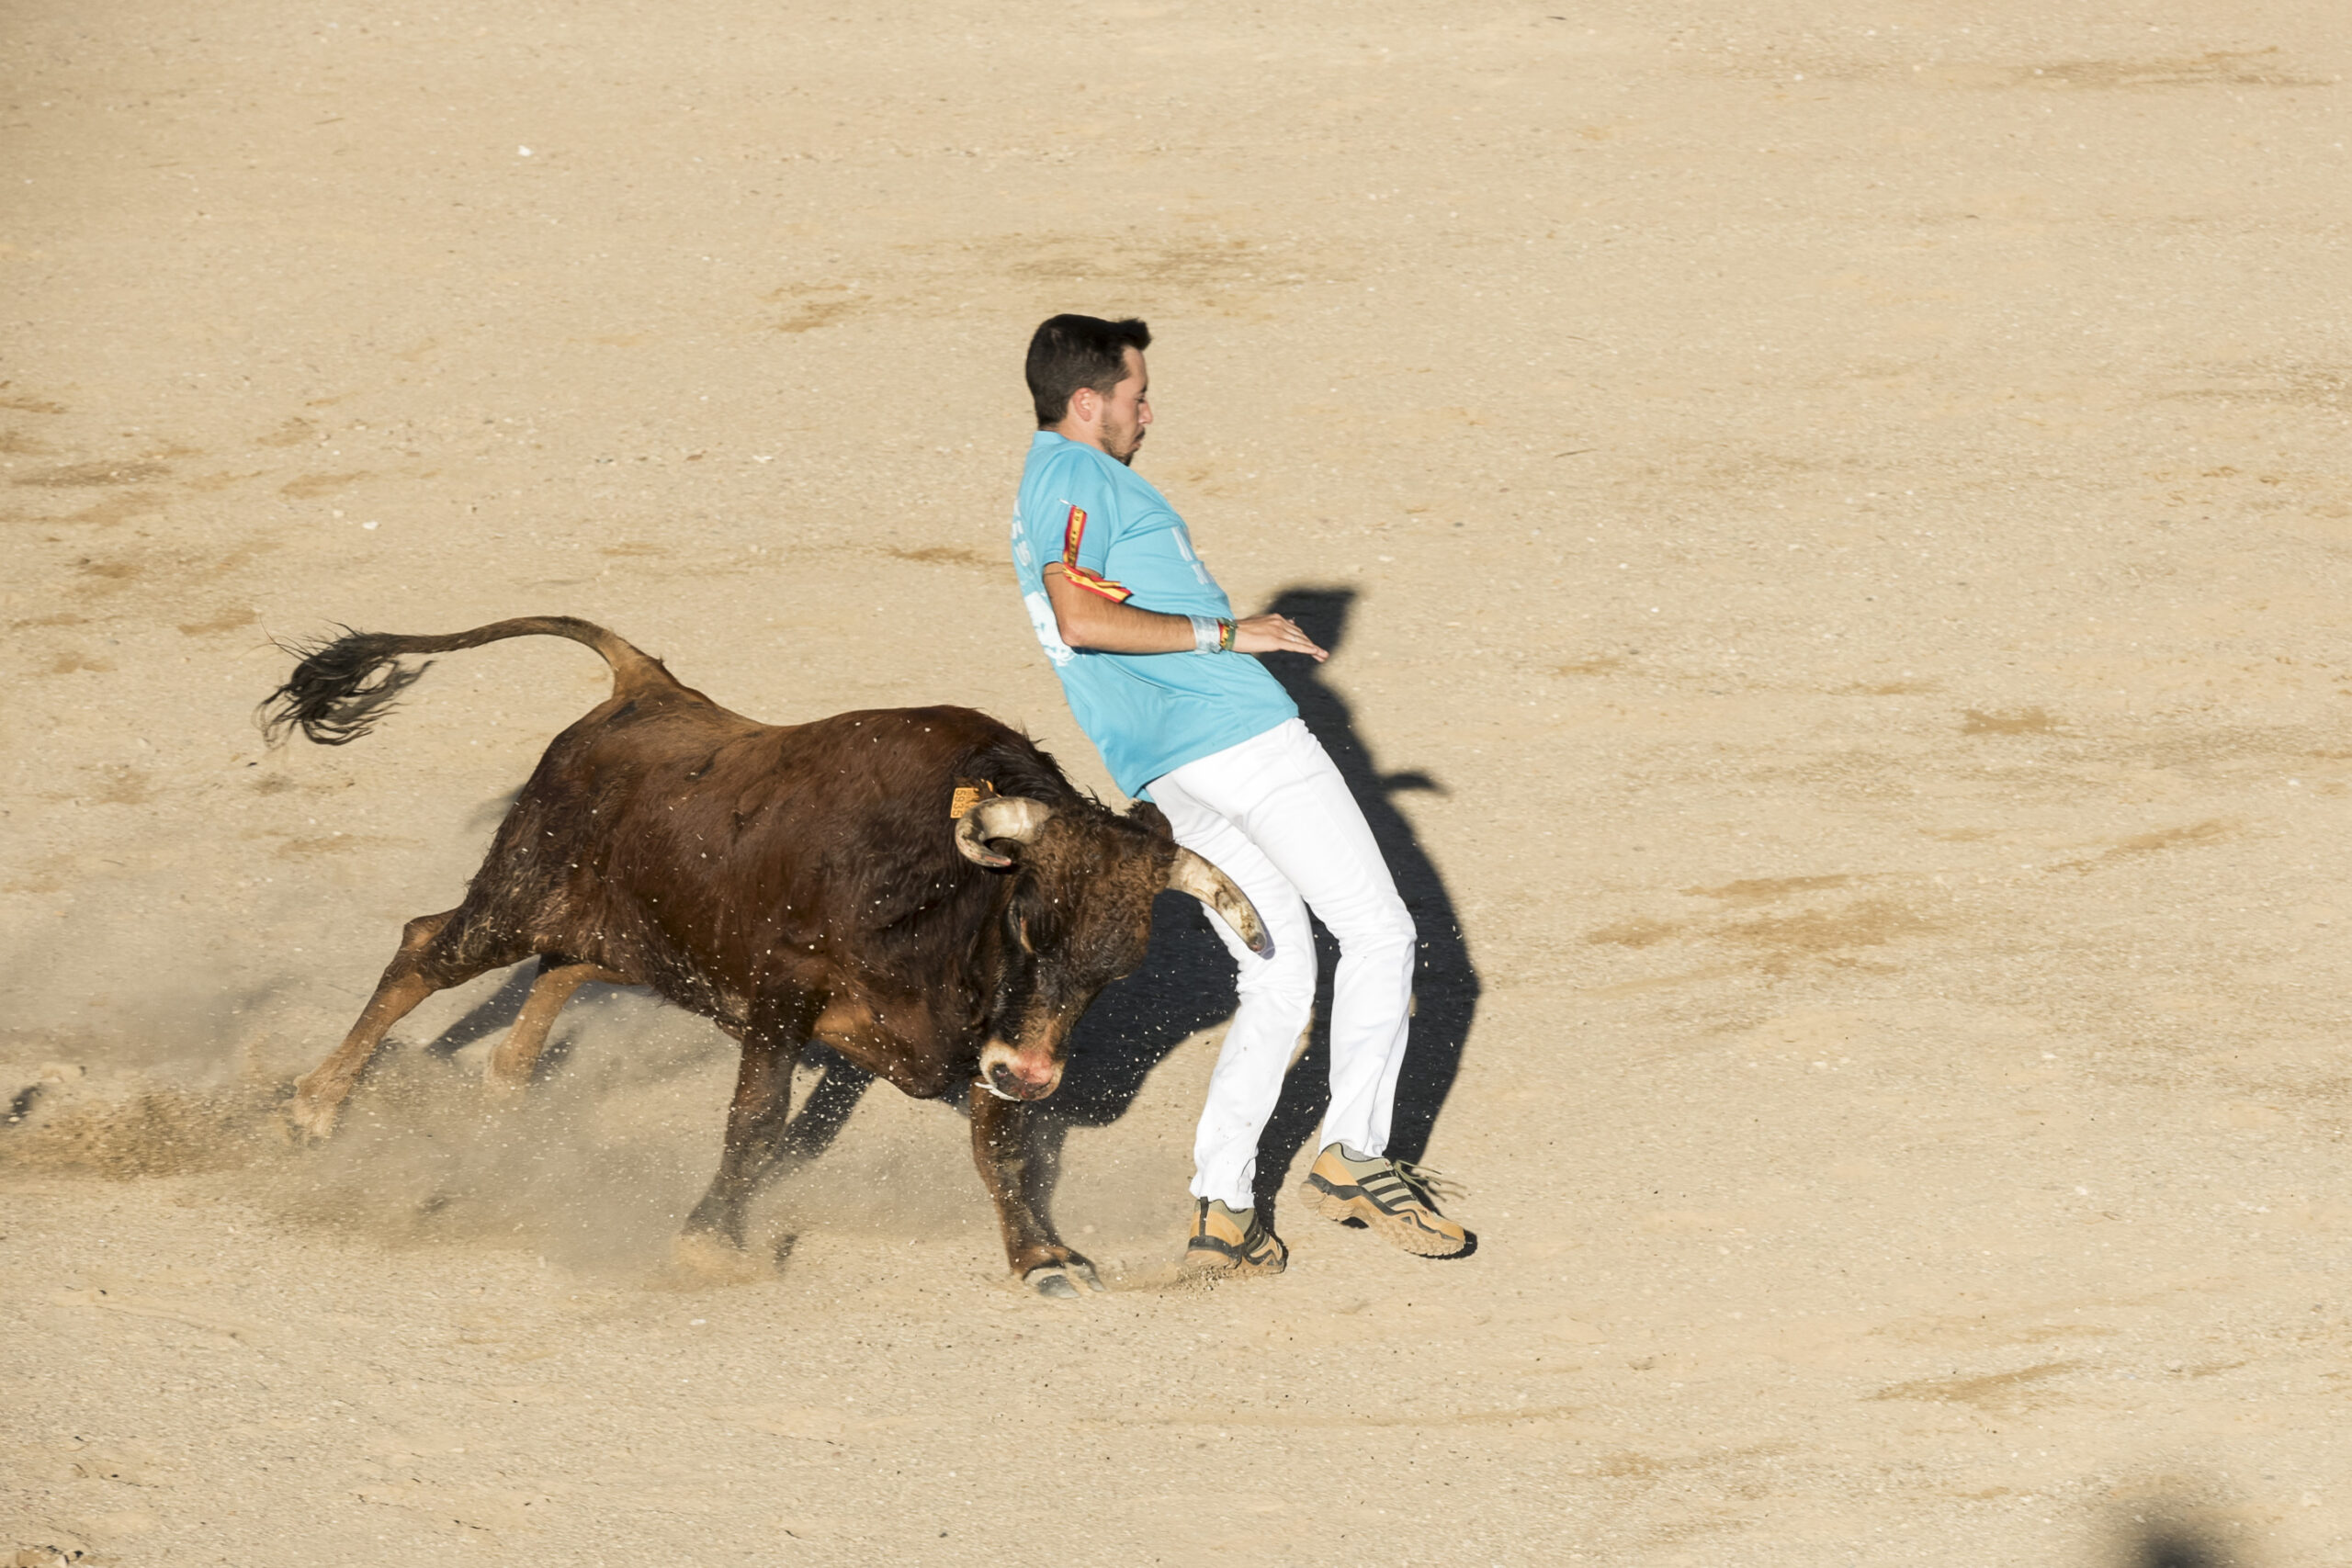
(966,796)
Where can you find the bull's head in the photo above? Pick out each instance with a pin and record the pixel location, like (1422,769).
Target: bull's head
(1079,917)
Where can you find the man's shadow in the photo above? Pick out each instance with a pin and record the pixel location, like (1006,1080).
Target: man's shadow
(1445,985)
(1186,983)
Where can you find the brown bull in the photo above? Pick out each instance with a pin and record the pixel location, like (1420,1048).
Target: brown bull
(920,888)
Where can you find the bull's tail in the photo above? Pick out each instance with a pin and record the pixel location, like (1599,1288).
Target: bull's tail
(345,684)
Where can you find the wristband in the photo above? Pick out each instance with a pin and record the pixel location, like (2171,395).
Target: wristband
(1208,634)
(1226,632)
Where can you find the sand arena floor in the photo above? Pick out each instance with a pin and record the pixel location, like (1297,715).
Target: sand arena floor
(1834,520)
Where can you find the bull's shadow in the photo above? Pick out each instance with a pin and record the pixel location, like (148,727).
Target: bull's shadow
(1186,983)
(819,1112)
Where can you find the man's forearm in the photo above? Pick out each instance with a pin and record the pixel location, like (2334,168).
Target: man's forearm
(1089,620)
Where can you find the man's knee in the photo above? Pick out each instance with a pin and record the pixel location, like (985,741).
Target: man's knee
(1288,977)
(1387,926)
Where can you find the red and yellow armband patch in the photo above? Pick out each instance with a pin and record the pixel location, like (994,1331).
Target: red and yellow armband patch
(1073,534)
(1117,592)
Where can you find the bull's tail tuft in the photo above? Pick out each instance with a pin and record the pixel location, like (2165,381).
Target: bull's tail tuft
(343,685)
(340,689)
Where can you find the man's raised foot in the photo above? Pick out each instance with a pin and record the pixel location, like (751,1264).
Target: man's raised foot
(1394,1200)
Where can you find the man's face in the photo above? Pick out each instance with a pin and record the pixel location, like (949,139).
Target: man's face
(1127,411)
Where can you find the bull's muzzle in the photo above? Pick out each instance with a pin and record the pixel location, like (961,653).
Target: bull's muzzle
(1014,1074)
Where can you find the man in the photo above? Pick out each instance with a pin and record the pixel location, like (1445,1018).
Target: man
(1159,674)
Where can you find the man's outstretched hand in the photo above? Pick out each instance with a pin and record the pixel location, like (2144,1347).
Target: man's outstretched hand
(1271,633)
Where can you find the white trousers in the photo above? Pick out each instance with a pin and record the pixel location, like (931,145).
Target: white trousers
(1273,814)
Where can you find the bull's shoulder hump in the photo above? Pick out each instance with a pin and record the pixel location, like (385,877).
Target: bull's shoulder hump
(966,724)
(947,724)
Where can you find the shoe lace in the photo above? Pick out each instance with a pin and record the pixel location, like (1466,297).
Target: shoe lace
(1432,1185)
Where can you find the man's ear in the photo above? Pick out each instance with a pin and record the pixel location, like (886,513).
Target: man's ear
(1088,412)
(1149,816)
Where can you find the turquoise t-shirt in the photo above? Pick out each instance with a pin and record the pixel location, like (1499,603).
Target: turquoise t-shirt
(1147,712)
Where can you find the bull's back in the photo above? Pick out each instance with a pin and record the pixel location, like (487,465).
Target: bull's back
(676,835)
(851,767)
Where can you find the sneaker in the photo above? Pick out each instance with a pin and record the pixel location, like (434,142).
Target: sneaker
(1393,1198)
(1226,1241)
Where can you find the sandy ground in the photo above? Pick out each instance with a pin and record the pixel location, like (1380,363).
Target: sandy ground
(1843,506)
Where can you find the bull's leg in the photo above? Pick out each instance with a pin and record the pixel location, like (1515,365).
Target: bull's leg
(420,968)
(509,1066)
(756,1119)
(1001,1147)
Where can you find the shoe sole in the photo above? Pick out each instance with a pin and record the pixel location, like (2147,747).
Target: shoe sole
(1344,1204)
(1206,1262)
(1220,1260)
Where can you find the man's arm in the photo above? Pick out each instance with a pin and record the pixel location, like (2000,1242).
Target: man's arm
(1089,620)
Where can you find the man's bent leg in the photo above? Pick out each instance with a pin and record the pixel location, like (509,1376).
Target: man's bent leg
(1277,995)
(1314,831)
(1316,834)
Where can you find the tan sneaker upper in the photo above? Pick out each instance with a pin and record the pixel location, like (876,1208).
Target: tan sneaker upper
(1226,1241)
(1395,1199)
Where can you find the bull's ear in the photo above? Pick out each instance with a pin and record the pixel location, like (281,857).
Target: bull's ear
(1152,817)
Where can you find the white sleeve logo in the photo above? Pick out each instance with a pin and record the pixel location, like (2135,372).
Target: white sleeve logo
(1040,608)
(1049,631)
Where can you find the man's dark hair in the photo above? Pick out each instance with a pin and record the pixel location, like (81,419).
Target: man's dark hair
(1070,352)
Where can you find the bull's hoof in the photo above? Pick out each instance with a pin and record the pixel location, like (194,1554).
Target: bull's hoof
(1060,1282)
(705,1259)
(311,1120)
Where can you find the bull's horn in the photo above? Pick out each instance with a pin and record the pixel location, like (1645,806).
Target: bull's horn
(1002,816)
(1196,876)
